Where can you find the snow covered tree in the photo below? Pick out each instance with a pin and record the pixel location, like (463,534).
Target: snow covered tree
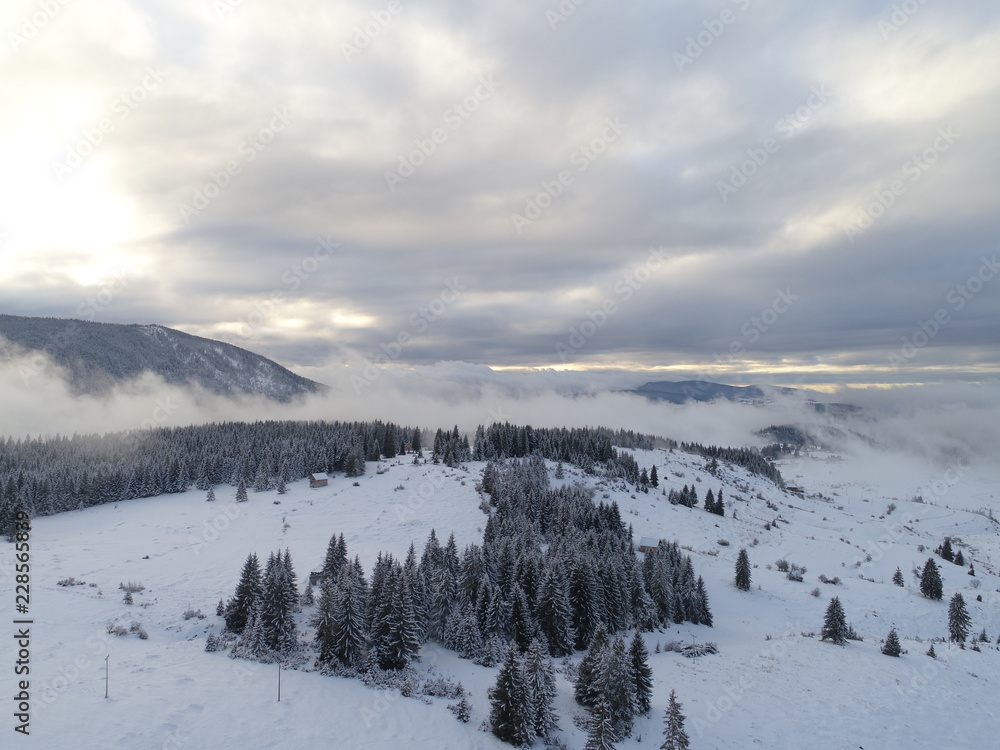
(600,728)
(210,497)
(959,622)
(540,683)
(211,643)
(891,646)
(710,501)
(897,577)
(278,601)
(931,653)
(336,557)
(510,714)
(241,492)
(555,612)
(945,550)
(959,559)
(220,608)
(324,621)
(642,674)
(930,580)
(743,570)
(674,736)
(348,635)
(587,673)
(835,624)
(395,632)
(252,643)
(654,479)
(248,592)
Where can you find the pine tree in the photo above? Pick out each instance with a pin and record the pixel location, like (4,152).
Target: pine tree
(654,479)
(336,557)
(674,736)
(220,609)
(510,718)
(615,683)
(585,689)
(211,643)
(210,497)
(897,577)
(600,731)
(931,653)
(395,632)
(743,570)
(892,647)
(325,620)
(241,492)
(834,624)
(959,558)
(930,581)
(540,684)
(959,622)
(710,501)
(349,638)
(945,550)
(555,613)
(642,673)
(248,592)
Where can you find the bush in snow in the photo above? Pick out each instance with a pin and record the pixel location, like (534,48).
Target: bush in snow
(118,630)
(192,613)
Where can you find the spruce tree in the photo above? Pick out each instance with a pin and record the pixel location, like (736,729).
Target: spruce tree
(210,497)
(930,581)
(540,684)
(654,479)
(835,624)
(674,736)
(897,577)
(248,592)
(241,492)
(959,558)
(600,728)
(743,570)
(585,690)
(945,550)
(891,646)
(959,622)
(510,718)
(641,673)
(555,613)
(348,635)
(710,501)
(931,653)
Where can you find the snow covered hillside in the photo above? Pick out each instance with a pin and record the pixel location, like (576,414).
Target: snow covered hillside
(773,683)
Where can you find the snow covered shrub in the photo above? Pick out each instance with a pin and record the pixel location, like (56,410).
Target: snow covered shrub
(815,591)
(192,613)
(132,587)
(118,630)
(781,565)
(137,628)
(694,650)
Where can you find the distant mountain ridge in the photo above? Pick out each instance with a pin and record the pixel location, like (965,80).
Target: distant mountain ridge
(682,391)
(98,356)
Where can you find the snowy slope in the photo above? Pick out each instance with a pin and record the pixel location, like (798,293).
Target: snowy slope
(770,686)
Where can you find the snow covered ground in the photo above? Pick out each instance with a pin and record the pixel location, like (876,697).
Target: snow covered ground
(771,685)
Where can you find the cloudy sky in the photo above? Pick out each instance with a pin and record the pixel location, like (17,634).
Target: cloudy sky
(755,191)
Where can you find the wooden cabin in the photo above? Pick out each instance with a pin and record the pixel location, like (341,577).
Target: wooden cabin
(319,479)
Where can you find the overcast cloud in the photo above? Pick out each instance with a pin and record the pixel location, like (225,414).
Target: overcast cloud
(779,191)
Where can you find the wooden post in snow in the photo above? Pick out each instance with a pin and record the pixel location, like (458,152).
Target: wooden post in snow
(107,674)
